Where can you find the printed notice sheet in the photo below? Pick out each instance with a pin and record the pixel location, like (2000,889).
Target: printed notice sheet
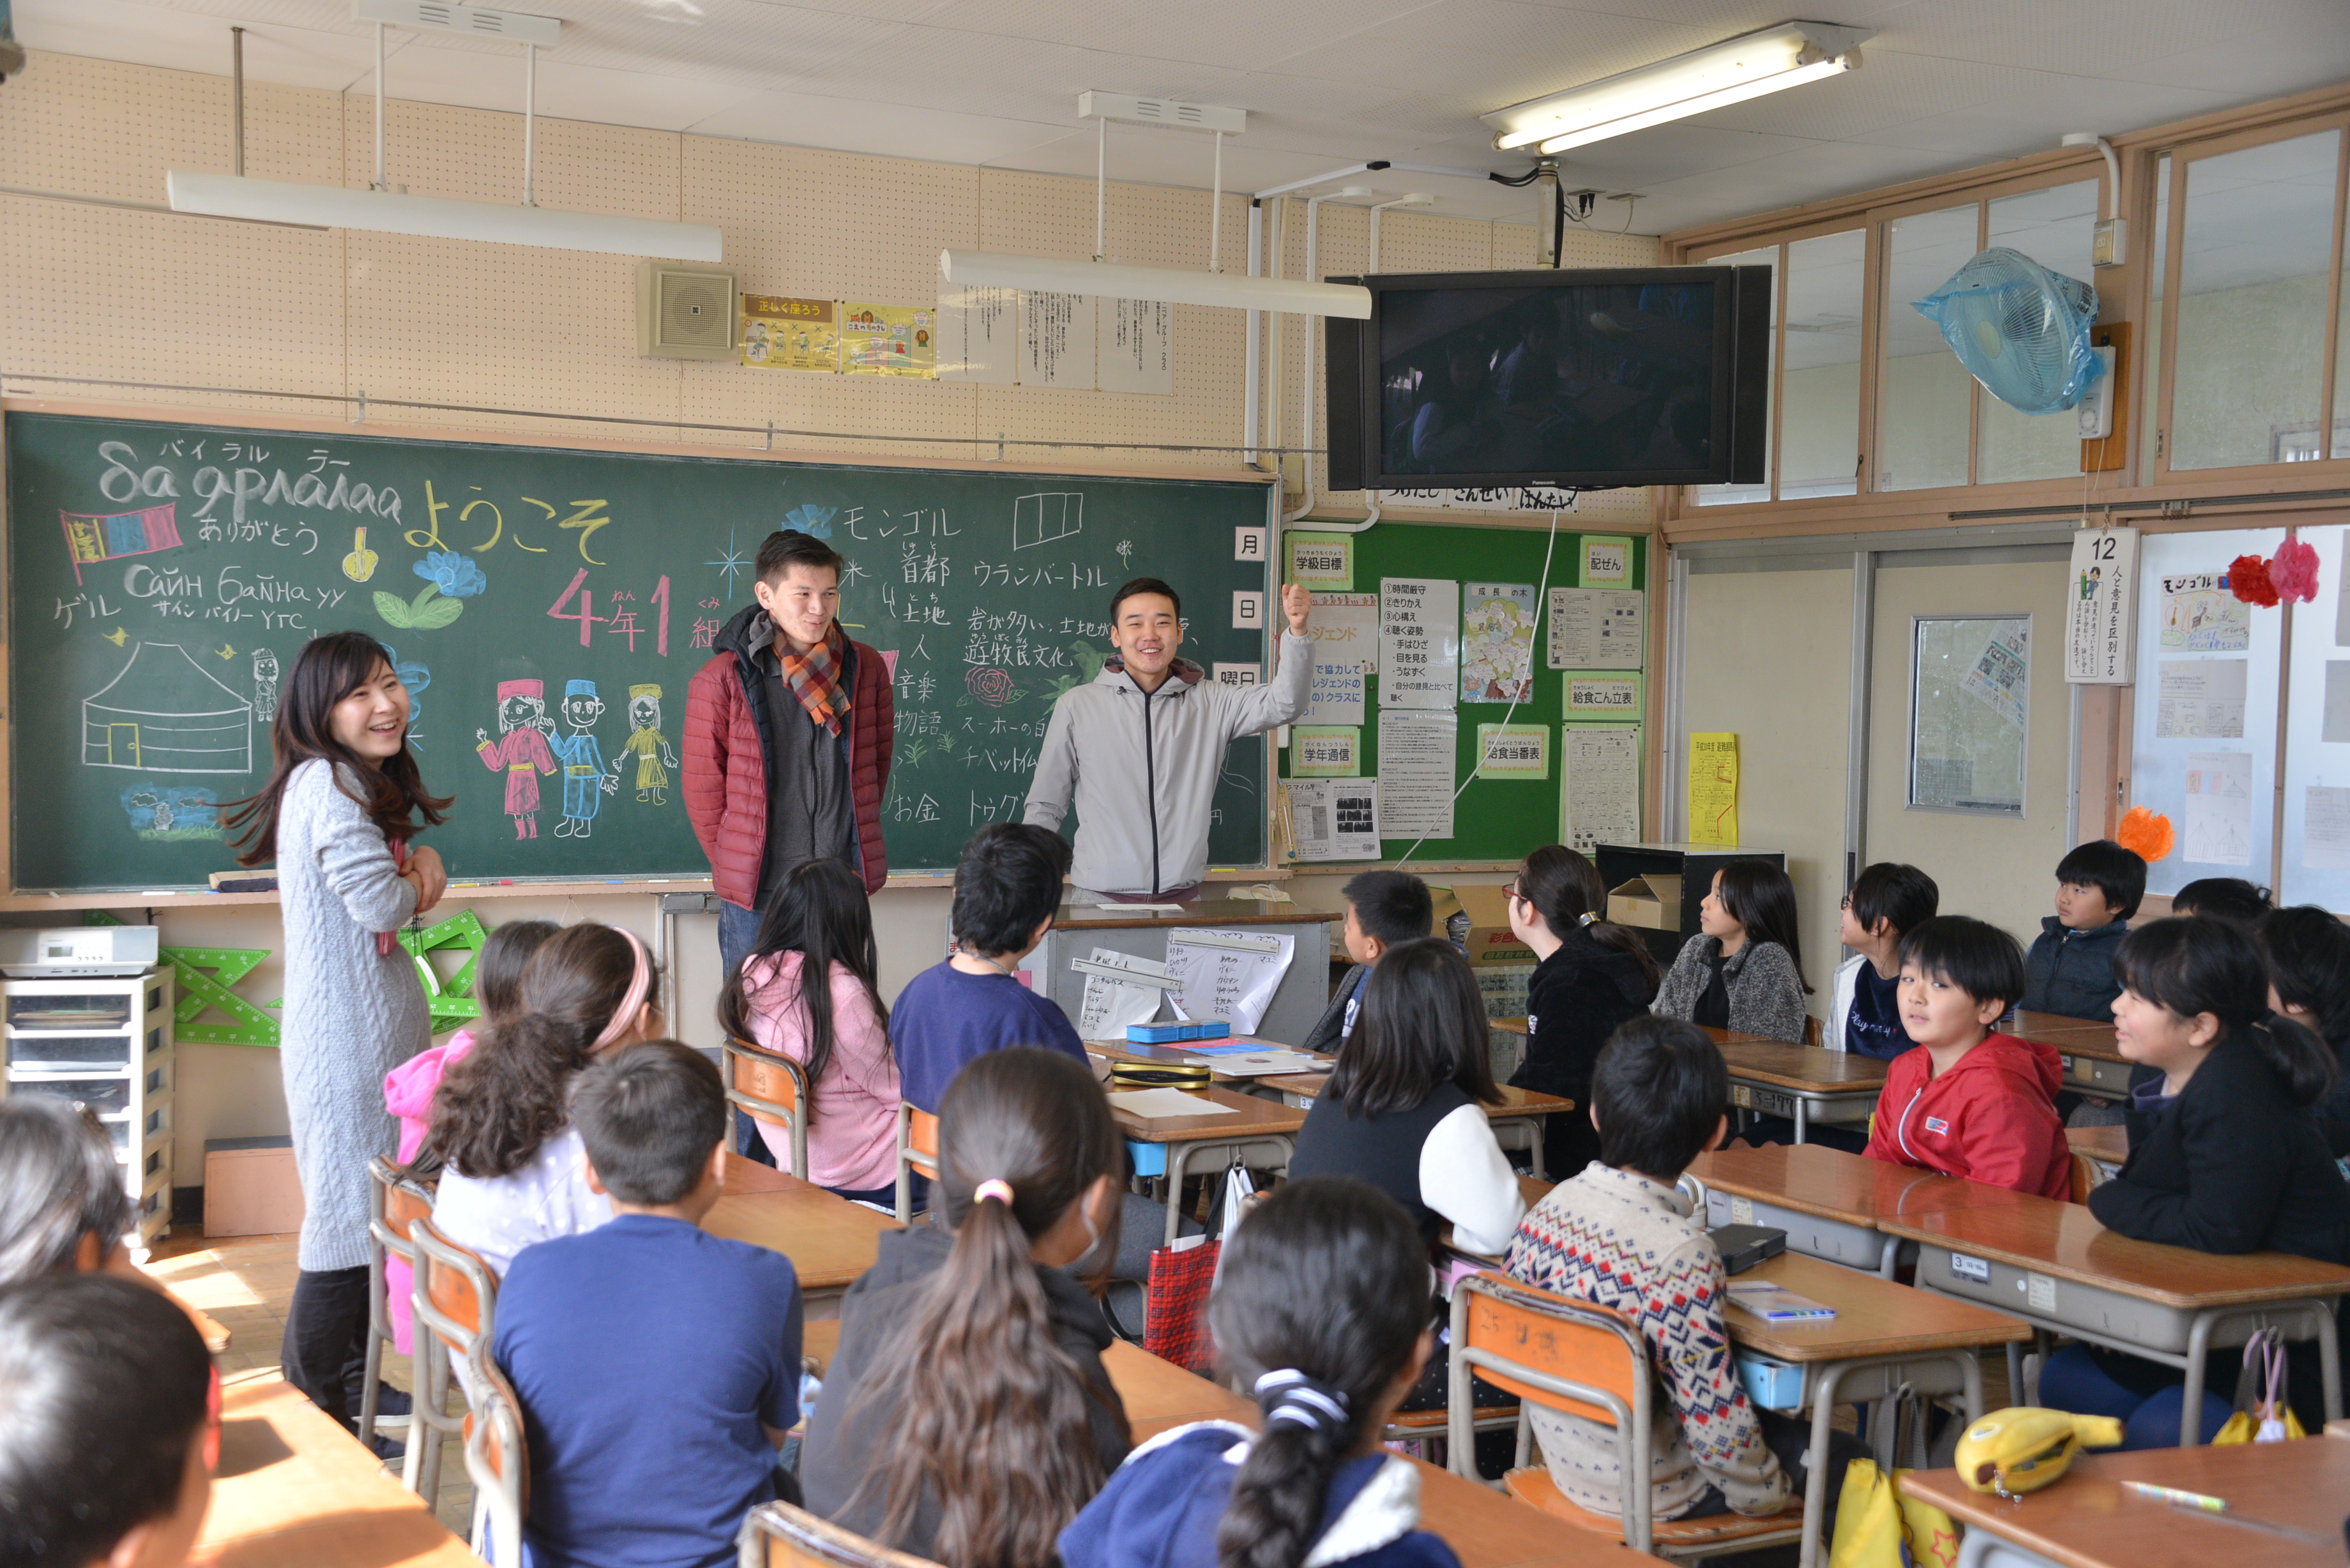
(1603,697)
(1321,561)
(1137,346)
(1713,788)
(1415,768)
(2326,829)
(1120,989)
(1497,642)
(1057,340)
(1326,751)
(2335,727)
(1599,785)
(2101,611)
(2219,808)
(1227,974)
(2201,700)
(979,328)
(1334,819)
(1420,642)
(1345,632)
(1595,628)
(1513,750)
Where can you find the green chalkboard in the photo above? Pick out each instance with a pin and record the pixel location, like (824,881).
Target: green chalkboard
(163,575)
(1495,819)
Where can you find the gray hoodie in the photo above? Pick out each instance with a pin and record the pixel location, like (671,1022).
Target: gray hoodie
(1141,767)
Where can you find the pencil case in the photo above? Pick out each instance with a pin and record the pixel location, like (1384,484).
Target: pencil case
(1171,1034)
(1156,1075)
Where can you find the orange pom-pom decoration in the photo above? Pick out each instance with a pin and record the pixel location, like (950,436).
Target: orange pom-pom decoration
(2146,833)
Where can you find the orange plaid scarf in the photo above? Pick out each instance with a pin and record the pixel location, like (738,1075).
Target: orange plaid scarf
(815,677)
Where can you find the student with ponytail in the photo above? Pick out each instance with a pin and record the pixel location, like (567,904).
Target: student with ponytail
(1323,1312)
(511,1161)
(966,1416)
(2225,1156)
(1592,977)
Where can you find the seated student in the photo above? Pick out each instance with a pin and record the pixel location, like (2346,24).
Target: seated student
(1744,971)
(808,991)
(1383,908)
(980,1329)
(1323,1312)
(1592,977)
(1966,1100)
(109,1424)
(1885,900)
(63,1208)
(2070,970)
(1404,1108)
(2224,897)
(658,1366)
(511,1174)
(1007,887)
(2309,983)
(409,1088)
(1620,1235)
(2226,1158)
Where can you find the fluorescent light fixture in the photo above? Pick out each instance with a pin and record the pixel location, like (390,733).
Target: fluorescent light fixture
(1052,274)
(436,217)
(1769,61)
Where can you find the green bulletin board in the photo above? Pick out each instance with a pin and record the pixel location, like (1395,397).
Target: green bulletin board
(1495,819)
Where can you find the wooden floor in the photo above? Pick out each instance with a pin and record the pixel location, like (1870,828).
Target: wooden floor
(245,1284)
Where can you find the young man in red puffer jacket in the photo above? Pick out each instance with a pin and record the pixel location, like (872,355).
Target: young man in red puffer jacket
(788,733)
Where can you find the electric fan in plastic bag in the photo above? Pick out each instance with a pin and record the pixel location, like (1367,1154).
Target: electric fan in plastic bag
(2021,330)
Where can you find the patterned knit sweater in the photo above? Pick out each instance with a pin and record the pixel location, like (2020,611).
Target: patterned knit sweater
(1621,1241)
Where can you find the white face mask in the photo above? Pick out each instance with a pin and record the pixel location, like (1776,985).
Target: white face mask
(1079,1264)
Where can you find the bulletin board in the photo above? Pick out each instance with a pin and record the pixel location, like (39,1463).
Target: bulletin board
(1495,818)
(2316,861)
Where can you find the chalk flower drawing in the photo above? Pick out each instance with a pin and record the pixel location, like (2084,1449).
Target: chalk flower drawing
(459,577)
(992,687)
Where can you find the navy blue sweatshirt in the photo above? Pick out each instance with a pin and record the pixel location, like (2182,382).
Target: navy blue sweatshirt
(2070,971)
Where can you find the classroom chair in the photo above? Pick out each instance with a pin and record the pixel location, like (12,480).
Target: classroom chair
(1580,1359)
(456,1306)
(777,1535)
(771,1088)
(918,1149)
(499,1466)
(1813,1033)
(2086,1177)
(395,1201)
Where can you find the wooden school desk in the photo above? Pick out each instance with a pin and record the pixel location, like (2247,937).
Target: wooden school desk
(1882,1336)
(1802,1082)
(1829,1201)
(1258,1132)
(829,1239)
(2090,1520)
(296,1490)
(2109,1143)
(1517,1121)
(2094,1064)
(2054,1266)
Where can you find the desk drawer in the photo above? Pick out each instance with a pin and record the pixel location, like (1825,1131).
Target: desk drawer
(2059,1302)
(1767,1102)
(2096,1076)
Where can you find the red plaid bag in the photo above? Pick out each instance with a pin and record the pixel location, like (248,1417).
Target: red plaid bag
(1175,1303)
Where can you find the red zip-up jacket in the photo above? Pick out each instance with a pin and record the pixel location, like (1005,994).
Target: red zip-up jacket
(1989,1119)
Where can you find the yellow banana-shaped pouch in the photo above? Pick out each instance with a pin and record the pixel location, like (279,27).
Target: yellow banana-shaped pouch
(2024,1449)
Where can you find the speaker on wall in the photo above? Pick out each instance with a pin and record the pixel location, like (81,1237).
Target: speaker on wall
(684,311)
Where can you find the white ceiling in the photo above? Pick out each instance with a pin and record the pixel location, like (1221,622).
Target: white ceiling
(1947,83)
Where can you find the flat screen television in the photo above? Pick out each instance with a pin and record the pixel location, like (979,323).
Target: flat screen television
(1587,379)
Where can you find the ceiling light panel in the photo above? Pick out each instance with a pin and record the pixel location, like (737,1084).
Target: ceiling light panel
(474,21)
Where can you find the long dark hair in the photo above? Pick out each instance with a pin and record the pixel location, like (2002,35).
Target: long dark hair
(1328,1278)
(497,972)
(2205,964)
(58,1183)
(327,670)
(2309,964)
(1563,886)
(989,1413)
(1758,895)
(1422,1023)
(820,912)
(513,1092)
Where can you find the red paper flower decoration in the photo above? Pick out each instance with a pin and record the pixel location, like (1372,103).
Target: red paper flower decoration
(2145,833)
(2294,570)
(2248,579)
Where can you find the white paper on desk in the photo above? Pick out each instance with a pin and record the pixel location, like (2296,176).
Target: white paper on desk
(2201,700)
(1227,974)
(2219,808)
(1334,819)
(1155,1105)
(1418,754)
(2326,829)
(1112,1002)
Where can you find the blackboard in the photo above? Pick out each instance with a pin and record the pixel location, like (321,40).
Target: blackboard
(163,575)
(1495,819)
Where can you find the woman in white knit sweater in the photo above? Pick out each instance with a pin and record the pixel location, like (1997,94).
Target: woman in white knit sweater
(342,801)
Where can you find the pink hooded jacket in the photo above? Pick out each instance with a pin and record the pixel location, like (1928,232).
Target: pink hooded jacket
(408,1091)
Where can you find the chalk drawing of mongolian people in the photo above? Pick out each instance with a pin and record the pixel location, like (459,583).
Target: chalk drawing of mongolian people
(265,686)
(520,748)
(654,758)
(584,783)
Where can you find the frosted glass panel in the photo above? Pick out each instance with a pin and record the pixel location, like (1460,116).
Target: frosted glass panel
(1819,432)
(2053,227)
(1732,495)
(2204,738)
(1921,439)
(2317,867)
(2255,264)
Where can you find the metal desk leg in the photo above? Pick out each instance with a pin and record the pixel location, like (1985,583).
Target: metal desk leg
(1815,1479)
(2329,1362)
(1803,1117)
(2015,1390)
(2190,1403)
(1178,1156)
(1888,1261)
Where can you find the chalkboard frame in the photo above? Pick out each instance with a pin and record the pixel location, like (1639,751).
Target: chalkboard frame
(17,898)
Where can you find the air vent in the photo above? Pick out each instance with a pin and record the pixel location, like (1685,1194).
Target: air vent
(684,311)
(447,16)
(1160,111)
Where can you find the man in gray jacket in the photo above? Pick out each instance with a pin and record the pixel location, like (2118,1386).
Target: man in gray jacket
(1139,748)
